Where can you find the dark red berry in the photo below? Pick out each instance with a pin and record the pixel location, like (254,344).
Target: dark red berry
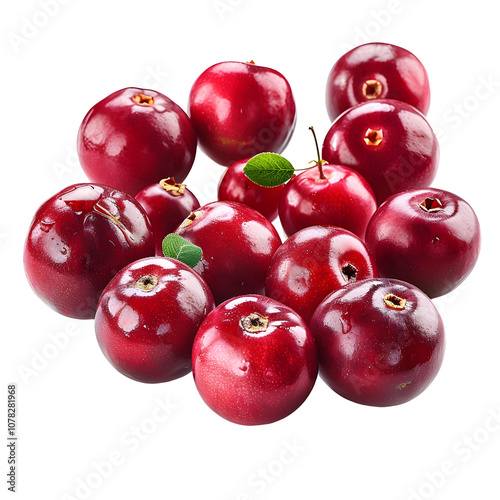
(167,204)
(254,360)
(78,240)
(341,198)
(237,244)
(314,262)
(236,186)
(388,142)
(428,237)
(134,137)
(148,316)
(380,342)
(377,71)
(241,109)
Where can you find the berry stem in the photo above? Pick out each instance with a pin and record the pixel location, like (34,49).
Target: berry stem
(320,161)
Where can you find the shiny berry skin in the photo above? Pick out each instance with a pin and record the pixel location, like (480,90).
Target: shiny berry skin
(388,142)
(254,360)
(377,71)
(78,240)
(236,186)
(380,342)
(314,262)
(241,109)
(237,244)
(167,204)
(133,138)
(428,237)
(342,198)
(148,316)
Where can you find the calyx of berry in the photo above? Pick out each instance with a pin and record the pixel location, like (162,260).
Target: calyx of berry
(372,89)
(191,218)
(172,187)
(146,282)
(431,205)
(373,137)
(350,272)
(254,323)
(143,99)
(394,302)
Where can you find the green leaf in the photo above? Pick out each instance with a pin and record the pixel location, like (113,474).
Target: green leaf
(177,247)
(268,169)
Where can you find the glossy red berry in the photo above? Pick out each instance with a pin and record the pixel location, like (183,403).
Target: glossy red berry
(241,109)
(134,137)
(236,186)
(314,262)
(237,244)
(377,71)
(148,316)
(167,204)
(380,342)
(428,237)
(341,198)
(254,360)
(388,142)
(78,240)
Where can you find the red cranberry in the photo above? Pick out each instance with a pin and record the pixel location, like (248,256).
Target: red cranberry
(341,197)
(241,109)
(78,240)
(377,71)
(167,204)
(254,360)
(380,341)
(428,237)
(388,142)
(148,316)
(314,262)
(134,137)
(236,186)
(237,244)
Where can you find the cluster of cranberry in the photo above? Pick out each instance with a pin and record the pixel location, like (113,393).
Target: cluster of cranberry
(175,287)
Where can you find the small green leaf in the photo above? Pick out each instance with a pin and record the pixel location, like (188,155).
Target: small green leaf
(268,169)
(177,247)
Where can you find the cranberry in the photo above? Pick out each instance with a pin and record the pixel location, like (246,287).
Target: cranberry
(148,316)
(254,360)
(377,71)
(428,237)
(237,244)
(380,341)
(339,196)
(78,240)
(134,137)
(314,262)
(167,204)
(388,142)
(241,109)
(236,186)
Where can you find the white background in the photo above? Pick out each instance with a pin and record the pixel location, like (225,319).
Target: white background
(77,414)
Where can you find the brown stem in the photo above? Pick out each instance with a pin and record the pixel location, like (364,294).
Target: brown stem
(320,161)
